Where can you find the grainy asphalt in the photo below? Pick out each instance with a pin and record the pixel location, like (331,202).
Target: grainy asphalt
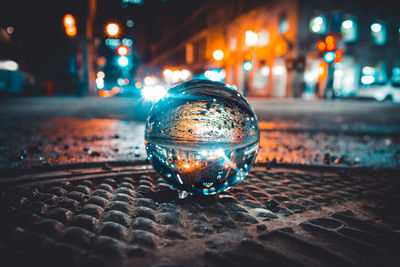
(124,214)
(63,130)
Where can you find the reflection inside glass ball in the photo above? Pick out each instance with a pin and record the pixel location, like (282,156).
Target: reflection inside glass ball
(202,137)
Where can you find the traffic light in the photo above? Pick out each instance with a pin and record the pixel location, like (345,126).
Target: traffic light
(330,43)
(247,62)
(247,65)
(123,61)
(338,56)
(69,24)
(122,50)
(328,47)
(329,57)
(248,57)
(321,46)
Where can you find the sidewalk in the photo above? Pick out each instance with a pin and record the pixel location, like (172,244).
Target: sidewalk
(122,107)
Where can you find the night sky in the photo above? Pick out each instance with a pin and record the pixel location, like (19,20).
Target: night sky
(41,47)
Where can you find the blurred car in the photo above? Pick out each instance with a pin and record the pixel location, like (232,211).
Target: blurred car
(11,79)
(381,92)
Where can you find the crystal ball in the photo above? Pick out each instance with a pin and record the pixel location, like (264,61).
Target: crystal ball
(202,137)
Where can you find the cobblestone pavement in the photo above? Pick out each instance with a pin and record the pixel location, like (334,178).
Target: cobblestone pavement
(113,215)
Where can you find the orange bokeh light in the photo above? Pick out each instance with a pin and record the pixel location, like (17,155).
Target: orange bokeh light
(330,43)
(109,93)
(281,47)
(338,56)
(248,57)
(138,84)
(329,39)
(71,30)
(321,46)
(115,90)
(330,46)
(218,55)
(112,29)
(322,71)
(69,20)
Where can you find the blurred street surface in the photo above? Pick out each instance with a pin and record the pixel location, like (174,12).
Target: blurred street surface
(63,130)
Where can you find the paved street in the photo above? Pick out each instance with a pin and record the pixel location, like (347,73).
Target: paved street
(125,215)
(43,131)
(72,195)
(77,188)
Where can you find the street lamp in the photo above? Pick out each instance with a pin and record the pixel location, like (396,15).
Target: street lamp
(69,20)
(218,55)
(251,38)
(71,31)
(112,29)
(69,24)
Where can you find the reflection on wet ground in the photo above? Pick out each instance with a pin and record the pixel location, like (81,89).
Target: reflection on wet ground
(319,148)
(66,140)
(25,143)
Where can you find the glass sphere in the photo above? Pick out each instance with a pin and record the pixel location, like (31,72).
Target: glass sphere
(203,137)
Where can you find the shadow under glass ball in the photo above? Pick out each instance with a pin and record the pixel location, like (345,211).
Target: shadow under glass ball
(203,137)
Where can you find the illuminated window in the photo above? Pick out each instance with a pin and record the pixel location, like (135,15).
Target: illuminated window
(368,74)
(283,23)
(396,73)
(318,24)
(233,44)
(189,53)
(260,78)
(263,38)
(349,29)
(251,38)
(375,73)
(378,32)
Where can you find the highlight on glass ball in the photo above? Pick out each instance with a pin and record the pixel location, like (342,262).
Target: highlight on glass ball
(202,137)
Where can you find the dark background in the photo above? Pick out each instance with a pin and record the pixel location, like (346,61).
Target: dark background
(39,43)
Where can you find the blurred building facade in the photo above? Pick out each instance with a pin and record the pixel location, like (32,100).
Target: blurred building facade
(268,48)
(367,33)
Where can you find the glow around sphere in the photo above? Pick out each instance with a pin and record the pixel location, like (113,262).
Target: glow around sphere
(202,137)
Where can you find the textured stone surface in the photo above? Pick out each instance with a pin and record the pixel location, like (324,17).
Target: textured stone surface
(275,217)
